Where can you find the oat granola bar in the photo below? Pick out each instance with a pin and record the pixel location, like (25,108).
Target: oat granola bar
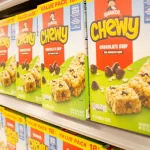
(141,85)
(12,73)
(36,74)
(79,59)
(75,82)
(60,91)
(123,100)
(29,83)
(5,79)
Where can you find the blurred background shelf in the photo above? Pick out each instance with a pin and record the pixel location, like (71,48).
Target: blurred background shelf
(110,135)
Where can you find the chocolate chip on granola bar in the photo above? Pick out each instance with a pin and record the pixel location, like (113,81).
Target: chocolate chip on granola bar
(115,66)
(60,85)
(18,75)
(57,69)
(112,88)
(108,71)
(94,85)
(51,68)
(120,73)
(63,94)
(93,69)
(145,74)
(43,80)
(82,62)
(27,66)
(148,82)
(124,93)
(42,66)
(128,105)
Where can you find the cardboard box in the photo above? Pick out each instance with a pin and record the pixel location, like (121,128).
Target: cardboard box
(47,136)
(2,131)
(7,56)
(15,130)
(64,57)
(119,63)
(28,61)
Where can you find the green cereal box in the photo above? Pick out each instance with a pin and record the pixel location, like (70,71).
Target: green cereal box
(7,56)
(119,62)
(28,61)
(64,57)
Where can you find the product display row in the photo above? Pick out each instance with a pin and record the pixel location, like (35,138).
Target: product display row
(20,132)
(75,57)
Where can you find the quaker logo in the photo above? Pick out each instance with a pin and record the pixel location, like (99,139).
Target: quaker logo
(25,27)
(112,9)
(52,20)
(2,33)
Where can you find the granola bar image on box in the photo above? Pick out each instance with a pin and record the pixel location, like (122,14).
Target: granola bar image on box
(36,74)
(29,82)
(75,82)
(5,79)
(141,85)
(60,90)
(123,99)
(12,73)
(78,59)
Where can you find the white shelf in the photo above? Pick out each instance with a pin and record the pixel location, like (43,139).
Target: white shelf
(110,135)
(5,4)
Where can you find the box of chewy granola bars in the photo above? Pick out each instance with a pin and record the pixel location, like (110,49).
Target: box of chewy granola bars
(28,62)
(44,136)
(15,130)
(2,131)
(7,56)
(64,57)
(119,63)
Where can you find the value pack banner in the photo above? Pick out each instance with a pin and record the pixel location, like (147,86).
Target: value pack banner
(64,71)
(28,61)
(46,137)
(15,130)
(119,63)
(7,56)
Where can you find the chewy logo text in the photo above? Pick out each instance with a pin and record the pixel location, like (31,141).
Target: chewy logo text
(12,136)
(26,38)
(4,42)
(127,27)
(54,34)
(36,145)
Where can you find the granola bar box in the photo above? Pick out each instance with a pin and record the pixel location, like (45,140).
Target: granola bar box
(7,56)
(15,130)
(45,136)
(28,61)
(64,57)
(119,63)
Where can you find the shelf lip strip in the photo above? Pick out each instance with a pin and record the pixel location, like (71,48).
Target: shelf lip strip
(117,137)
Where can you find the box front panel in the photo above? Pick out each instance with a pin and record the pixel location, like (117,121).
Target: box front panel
(62,38)
(119,63)
(28,61)
(7,57)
